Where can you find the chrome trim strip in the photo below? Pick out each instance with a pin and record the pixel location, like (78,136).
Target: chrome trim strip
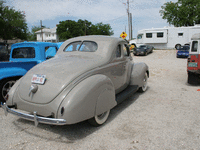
(36,119)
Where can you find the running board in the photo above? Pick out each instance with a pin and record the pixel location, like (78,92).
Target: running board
(126,93)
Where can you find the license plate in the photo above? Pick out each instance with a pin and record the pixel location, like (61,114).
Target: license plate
(38,79)
(192,64)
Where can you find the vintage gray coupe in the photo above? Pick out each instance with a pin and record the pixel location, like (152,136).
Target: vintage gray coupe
(87,78)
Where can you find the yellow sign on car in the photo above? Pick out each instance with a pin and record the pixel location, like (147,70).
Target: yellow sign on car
(123,35)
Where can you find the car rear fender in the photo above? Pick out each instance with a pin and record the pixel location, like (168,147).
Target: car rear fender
(92,96)
(11,72)
(138,73)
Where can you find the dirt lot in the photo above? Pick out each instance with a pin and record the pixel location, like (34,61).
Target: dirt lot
(165,117)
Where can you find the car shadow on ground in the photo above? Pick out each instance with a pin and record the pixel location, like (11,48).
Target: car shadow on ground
(71,133)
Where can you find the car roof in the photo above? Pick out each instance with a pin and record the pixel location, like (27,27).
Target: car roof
(105,43)
(34,44)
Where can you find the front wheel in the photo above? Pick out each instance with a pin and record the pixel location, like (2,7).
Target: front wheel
(144,87)
(99,119)
(5,86)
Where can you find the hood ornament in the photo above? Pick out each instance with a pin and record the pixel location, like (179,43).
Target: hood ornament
(33,89)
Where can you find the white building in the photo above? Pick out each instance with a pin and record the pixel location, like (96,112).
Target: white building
(47,35)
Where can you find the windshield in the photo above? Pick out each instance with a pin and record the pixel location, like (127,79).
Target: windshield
(86,46)
(194,46)
(139,36)
(184,48)
(23,52)
(142,46)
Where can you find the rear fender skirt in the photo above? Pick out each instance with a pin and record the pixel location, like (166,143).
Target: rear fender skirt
(92,96)
(138,73)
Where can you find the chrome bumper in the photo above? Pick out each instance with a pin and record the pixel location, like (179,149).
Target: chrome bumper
(34,117)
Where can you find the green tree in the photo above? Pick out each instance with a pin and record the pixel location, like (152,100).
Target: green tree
(103,29)
(69,28)
(12,23)
(32,35)
(181,13)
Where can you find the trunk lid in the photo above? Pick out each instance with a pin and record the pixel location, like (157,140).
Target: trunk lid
(60,72)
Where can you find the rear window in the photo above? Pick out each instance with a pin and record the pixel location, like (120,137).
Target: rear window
(85,46)
(24,52)
(194,46)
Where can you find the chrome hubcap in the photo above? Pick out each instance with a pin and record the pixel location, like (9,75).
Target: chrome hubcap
(144,87)
(6,88)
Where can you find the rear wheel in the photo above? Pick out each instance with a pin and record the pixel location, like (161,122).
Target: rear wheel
(144,87)
(99,119)
(5,87)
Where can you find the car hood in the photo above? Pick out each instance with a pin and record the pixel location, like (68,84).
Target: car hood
(60,72)
(140,49)
(183,51)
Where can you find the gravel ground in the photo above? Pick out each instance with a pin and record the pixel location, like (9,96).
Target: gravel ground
(165,117)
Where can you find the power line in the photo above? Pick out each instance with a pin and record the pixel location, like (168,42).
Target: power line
(114,19)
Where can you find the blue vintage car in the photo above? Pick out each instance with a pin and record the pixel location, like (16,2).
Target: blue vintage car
(23,57)
(183,51)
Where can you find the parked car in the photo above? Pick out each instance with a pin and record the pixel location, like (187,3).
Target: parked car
(143,50)
(23,56)
(193,65)
(87,78)
(183,51)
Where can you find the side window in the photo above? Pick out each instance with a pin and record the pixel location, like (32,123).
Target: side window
(180,34)
(126,50)
(118,51)
(50,51)
(194,46)
(160,34)
(148,35)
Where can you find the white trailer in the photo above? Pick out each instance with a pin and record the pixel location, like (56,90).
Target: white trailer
(167,37)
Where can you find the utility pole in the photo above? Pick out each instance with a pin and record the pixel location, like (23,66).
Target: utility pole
(128,19)
(41,29)
(129,22)
(85,27)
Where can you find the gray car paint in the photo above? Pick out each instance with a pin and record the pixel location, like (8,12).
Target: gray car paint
(84,83)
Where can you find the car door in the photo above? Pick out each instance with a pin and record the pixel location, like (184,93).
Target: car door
(127,65)
(122,67)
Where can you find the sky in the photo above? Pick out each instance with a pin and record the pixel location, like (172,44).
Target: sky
(145,13)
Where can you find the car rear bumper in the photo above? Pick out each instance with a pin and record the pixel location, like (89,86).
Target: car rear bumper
(36,119)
